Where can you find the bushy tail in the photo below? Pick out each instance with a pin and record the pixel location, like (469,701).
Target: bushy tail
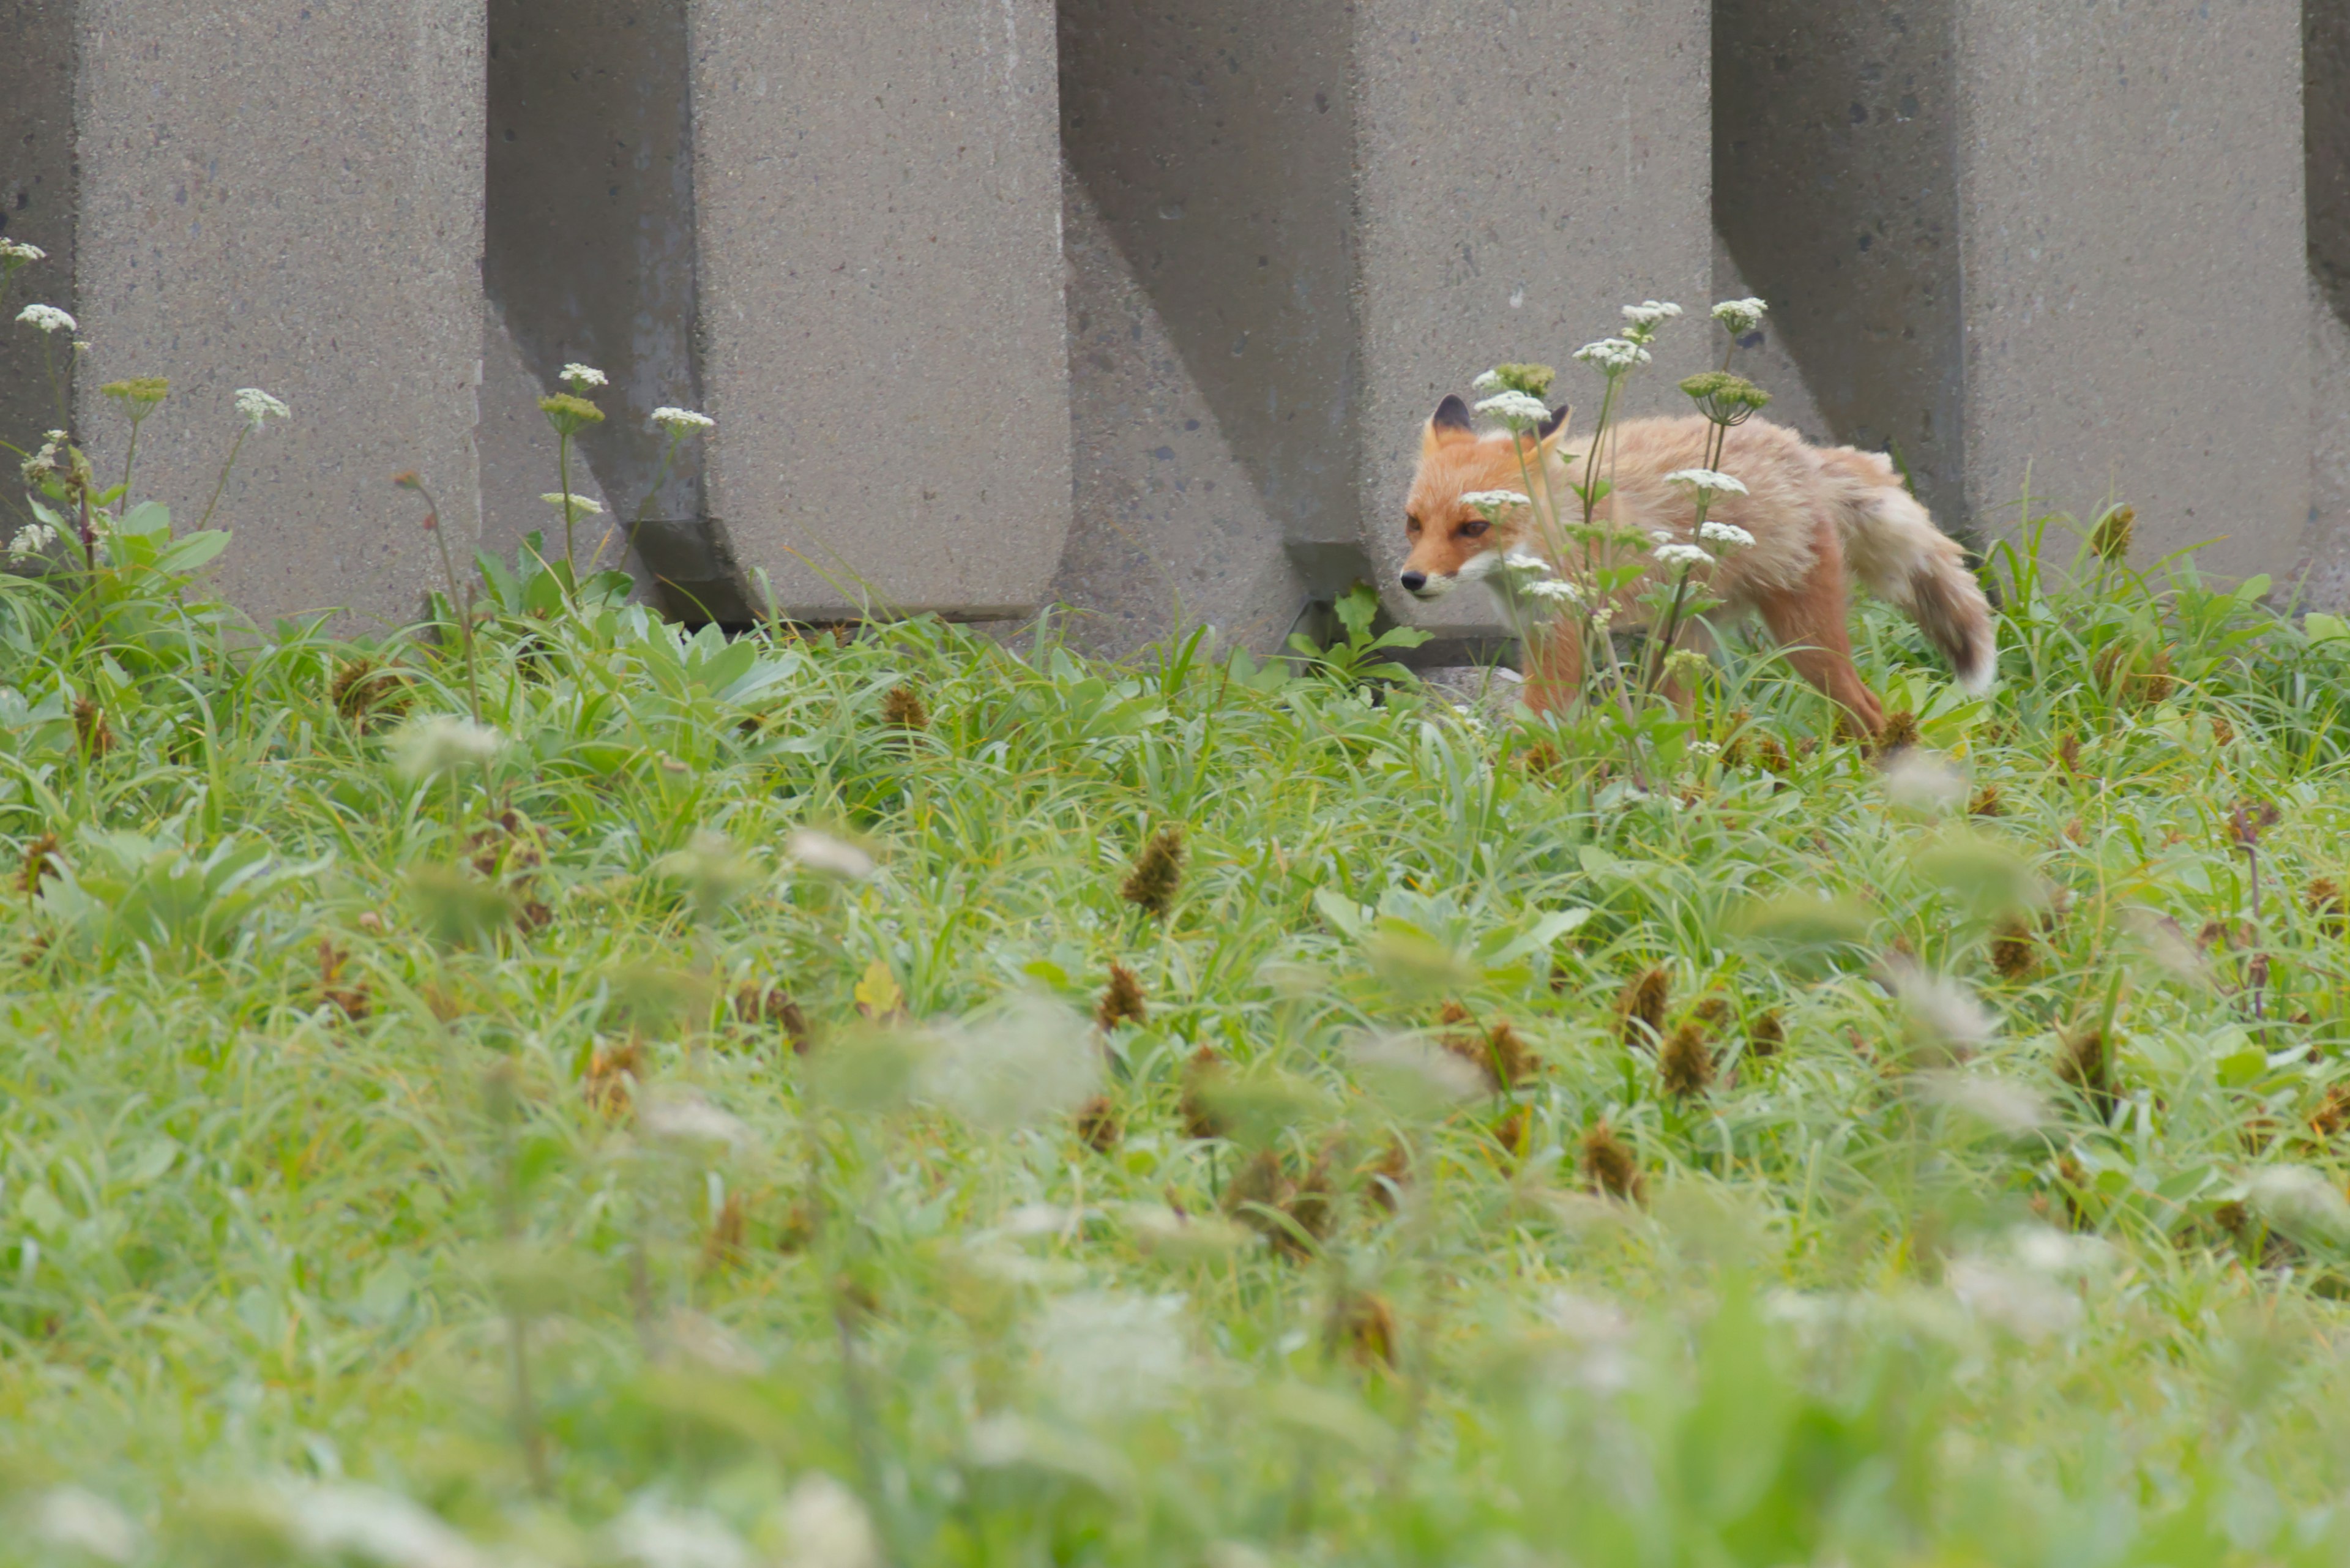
(1891,544)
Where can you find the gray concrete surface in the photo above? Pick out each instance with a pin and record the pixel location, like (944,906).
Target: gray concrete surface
(878,213)
(38,202)
(290,201)
(2057,248)
(1339,214)
(2321,574)
(521,461)
(2325,122)
(591,257)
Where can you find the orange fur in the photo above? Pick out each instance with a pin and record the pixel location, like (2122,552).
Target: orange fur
(1815,513)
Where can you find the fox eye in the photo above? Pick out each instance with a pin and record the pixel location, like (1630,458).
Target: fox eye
(1411,525)
(1475,528)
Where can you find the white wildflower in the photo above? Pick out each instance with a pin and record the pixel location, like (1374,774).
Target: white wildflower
(1681,556)
(82,1521)
(653,1536)
(1014,1065)
(258,406)
(21,253)
(1558,590)
(1525,564)
(687,1117)
(1493,500)
(828,1527)
(577,502)
(1516,410)
(1108,1352)
(1728,534)
(584,378)
(382,1526)
(31,540)
(821,852)
(1650,314)
(2021,1300)
(1613,356)
(681,421)
(1740,316)
(1662,536)
(1490,381)
(48,318)
(1706,481)
(442,743)
(1705,748)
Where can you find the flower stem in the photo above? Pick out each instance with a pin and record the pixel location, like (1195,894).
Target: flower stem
(563,469)
(235,447)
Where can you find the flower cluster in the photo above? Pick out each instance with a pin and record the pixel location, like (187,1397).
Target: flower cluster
(31,540)
(569,415)
(1558,590)
(15,254)
(1728,534)
(1533,380)
(1641,321)
(258,406)
(1725,399)
(1682,555)
(681,421)
(1516,410)
(576,501)
(48,318)
(1492,501)
(141,392)
(584,378)
(1706,482)
(1740,316)
(1613,356)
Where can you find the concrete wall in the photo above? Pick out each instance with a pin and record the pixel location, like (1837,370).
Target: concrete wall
(255,212)
(37,204)
(878,215)
(1336,215)
(2023,243)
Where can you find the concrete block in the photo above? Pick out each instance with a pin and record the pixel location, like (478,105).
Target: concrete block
(1340,213)
(37,205)
(2029,246)
(878,212)
(591,257)
(290,201)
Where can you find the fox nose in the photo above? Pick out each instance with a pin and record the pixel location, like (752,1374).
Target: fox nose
(1414,581)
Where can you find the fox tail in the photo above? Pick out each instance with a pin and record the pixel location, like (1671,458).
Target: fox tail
(1892,545)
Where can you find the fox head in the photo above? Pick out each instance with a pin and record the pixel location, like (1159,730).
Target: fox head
(1452,543)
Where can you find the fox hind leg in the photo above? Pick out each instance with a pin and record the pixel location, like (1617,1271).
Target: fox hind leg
(1810,621)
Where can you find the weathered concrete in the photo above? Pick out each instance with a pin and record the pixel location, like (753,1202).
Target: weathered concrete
(1763,360)
(2326,121)
(1339,214)
(591,257)
(1169,532)
(2019,242)
(2323,572)
(291,201)
(878,205)
(521,462)
(37,204)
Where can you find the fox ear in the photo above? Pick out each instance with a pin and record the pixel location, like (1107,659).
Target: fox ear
(1451,414)
(1556,422)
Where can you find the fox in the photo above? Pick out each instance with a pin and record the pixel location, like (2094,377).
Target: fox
(1816,514)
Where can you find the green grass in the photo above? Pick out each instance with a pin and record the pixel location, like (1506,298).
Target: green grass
(274,1225)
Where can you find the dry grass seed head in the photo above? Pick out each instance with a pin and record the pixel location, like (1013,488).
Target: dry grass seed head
(1640,1007)
(724,1246)
(1900,730)
(1685,1066)
(2086,1062)
(1157,873)
(41,861)
(2326,901)
(1539,759)
(1365,1325)
(1766,1035)
(1388,1173)
(774,1007)
(613,1072)
(1200,1076)
(903,709)
(1609,1167)
(1986,803)
(368,692)
(2333,1113)
(91,731)
(1097,1122)
(2068,755)
(2013,950)
(1122,1000)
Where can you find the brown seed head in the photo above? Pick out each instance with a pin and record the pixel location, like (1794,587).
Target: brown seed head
(1365,1324)
(1901,730)
(1986,803)
(1766,1035)
(1097,1122)
(2222,732)
(613,1072)
(2326,902)
(1685,1066)
(1388,1174)
(40,859)
(2333,1113)
(1540,760)
(774,1007)
(1122,1000)
(1157,873)
(1640,1007)
(2013,948)
(1609,1167)
(2086,1062)
(368,692)
(724,1246)
(2111,537)
(903,708)
(2068,755)
(90,728)
(1201,1076)
(1770,755)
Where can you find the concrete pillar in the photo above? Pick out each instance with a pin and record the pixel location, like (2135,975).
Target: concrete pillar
(1332,216)
(281,198)
(37,204)
(2324,571)
(2011,241)
(878,205)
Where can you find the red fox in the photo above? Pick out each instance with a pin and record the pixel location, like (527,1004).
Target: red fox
(1813,511)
